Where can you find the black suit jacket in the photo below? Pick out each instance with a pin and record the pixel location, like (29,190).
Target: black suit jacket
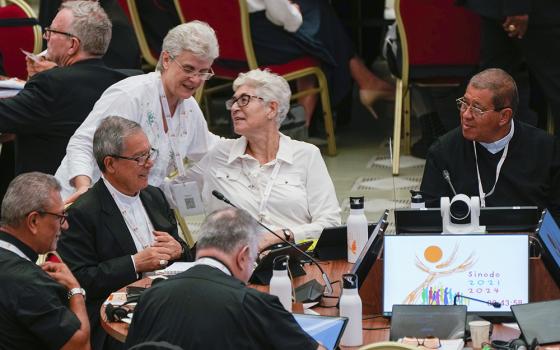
(98,246)
(47,112)
(540,11)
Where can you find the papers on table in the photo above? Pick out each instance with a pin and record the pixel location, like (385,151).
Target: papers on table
(175,268)
(12,83)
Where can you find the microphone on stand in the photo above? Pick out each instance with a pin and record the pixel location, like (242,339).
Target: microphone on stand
(328,286)
(494,304)
(448,179)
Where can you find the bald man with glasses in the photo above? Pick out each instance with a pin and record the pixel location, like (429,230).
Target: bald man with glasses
(121,229)
(493,155)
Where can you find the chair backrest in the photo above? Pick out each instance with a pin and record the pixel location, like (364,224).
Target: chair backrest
(438,38)
(230,20)
(19,29)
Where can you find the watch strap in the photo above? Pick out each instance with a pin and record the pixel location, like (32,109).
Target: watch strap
(75,291)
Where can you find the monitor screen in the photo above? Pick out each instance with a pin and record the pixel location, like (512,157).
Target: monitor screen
(496,219)
(549,235)
(438,270)
(324,329)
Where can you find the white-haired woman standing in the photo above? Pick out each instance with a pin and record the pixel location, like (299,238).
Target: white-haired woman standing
(282,182)
(161,102)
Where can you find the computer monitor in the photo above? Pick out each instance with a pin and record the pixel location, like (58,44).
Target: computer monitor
(444,269)
(496,219)
(371,250)
(549,236)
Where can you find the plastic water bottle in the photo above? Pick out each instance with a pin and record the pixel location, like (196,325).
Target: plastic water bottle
(416,199)
(280,283)
(351,307)
(356,228)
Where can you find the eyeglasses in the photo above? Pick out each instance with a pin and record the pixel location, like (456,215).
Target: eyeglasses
(140,160)
(477,112)
(48,31)
(191,73)
(61,217)
(241,101)
(429,342)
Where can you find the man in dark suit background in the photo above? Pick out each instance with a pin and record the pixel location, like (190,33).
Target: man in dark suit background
(45,114)
(518,32)
(209,306)
(121,228)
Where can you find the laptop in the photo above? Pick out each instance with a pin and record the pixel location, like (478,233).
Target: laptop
(549,236)
(421,321)
(333,245)
(325,329)
(538,321)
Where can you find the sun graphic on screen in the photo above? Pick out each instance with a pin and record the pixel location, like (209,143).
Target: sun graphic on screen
(433,254)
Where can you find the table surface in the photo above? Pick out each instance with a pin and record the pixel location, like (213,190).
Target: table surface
(544,289)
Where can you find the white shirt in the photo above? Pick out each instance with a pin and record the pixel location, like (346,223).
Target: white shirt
(280,12)
(136,98)
(497,146)
(302,196)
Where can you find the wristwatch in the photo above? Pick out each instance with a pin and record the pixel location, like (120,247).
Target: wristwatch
(288,234)
(75,291)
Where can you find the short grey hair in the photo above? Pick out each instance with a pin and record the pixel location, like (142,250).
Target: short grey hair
(502,86)
(227,230)
(269,86)
(91,25)
(196,37)
(26,193)
(109,137)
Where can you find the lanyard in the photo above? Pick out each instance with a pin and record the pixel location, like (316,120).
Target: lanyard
(171,135)
(9,246)
(268,190)
(498,170)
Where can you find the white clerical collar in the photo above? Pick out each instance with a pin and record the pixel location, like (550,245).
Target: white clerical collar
(213,262)
(497,146)
(119,196)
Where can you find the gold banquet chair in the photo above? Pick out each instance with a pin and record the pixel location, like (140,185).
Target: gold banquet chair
(231,23)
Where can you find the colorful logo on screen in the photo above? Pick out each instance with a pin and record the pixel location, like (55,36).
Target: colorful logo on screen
(440,295)
(435,266)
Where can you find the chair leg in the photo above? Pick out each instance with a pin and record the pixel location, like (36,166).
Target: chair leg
(406,117)
(327,113)
(186,233)
(397,126)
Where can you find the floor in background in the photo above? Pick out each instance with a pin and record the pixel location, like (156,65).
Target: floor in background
(363,167)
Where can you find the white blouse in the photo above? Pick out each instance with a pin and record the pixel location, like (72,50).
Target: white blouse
(280,12)
(136,98)
(302,196)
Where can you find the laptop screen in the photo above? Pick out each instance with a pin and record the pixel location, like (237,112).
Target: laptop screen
(549,235)
(448,269)
(442,321)
(324,329)
(539,321)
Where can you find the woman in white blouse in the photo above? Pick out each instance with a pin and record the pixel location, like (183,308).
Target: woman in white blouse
(161,102)
(282,182)
(283,30)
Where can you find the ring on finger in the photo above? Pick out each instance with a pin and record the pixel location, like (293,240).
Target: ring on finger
(163,262)
(511,27)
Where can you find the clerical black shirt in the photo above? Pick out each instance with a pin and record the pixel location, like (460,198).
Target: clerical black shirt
(203,308)
(530,174)
(34,311)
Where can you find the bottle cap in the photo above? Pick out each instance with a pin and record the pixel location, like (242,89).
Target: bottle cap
(416,197)
(357,202)
(280,263)
(349,281)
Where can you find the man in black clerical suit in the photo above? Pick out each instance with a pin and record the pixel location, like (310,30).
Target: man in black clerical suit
(122,228)
(493,155)
(209,306)
(45,114)
(42,307)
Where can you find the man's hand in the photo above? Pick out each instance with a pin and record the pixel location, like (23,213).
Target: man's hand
(81,183)
(269,239)
(151,259)
(34,67)
(516,26)
(166,241)
(61,273)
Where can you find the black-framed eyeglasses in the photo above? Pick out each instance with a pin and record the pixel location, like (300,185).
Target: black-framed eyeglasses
(241,101)
(61,217)
(191,73)
(429,342)
(47,33)
(462,106)
(140,160)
